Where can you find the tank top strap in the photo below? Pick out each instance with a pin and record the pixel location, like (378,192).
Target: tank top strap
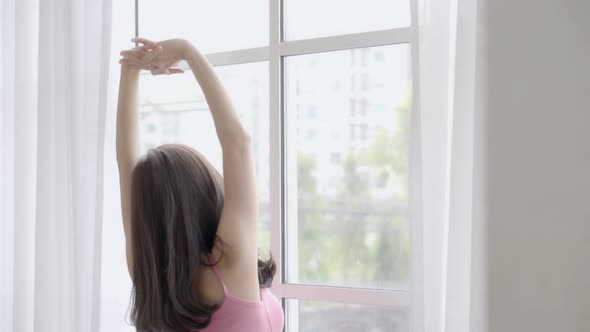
(217,273)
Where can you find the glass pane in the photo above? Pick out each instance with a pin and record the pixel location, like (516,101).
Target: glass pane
(213,26)
(312,19)
(347,167)
(174,110)
(312,316)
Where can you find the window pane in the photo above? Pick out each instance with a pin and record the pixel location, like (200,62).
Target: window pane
(312,19)
(347,184)
(174,110)
(213,26)
(312,316)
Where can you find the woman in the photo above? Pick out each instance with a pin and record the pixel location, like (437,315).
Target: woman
(191,234)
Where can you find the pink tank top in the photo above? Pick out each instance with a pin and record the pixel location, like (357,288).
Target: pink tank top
(239,315)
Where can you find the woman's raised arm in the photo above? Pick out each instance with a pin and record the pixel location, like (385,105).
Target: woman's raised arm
(239,222)
(128,136)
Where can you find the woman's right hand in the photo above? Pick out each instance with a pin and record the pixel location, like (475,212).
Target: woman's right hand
(161,58)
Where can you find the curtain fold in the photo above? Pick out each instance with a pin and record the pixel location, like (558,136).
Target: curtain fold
(54,56)
(445,175)
(116,285)
(6,166)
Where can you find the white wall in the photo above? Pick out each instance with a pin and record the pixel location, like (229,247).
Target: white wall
(538,162)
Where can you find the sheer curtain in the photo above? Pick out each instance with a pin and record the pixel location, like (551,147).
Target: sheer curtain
(448,244)
(54,71)
(115,281)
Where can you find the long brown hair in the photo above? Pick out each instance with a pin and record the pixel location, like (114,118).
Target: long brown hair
(177,199)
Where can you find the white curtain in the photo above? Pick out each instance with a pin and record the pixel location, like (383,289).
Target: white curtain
(54,72)
(448,293)
(115,280)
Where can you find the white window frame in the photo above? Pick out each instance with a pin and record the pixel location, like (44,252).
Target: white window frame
(274,53)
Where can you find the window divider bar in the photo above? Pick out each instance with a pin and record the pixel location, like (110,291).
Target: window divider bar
(343,42)
(275,139)
(306,46)
(238,56)
(136,13)
(344,295)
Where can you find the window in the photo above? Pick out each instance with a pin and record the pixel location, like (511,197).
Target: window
(311,111)
(379,57)
(364,129)
(206,24)
(364,82)
(312,19)
(335,158)
(333,194)
(364,55)
(352,107)
(325,316)
(352,132)
(364,104)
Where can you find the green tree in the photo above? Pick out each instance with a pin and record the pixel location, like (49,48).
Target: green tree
(389,156)
(311,221)
(335,232)
(349,255)
(306,183)
(389,151)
